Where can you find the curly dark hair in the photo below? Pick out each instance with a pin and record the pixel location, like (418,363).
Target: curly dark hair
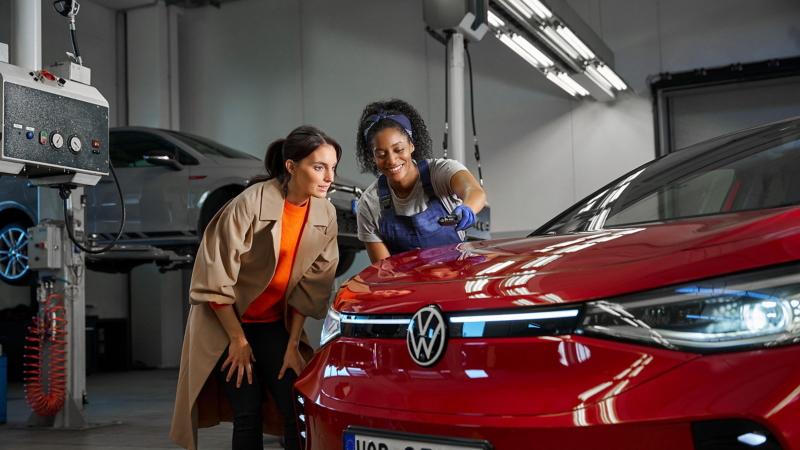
(422,142)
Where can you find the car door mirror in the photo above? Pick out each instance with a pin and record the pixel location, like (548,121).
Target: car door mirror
(162,158)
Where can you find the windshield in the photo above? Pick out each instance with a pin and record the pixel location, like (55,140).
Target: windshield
(745,171)
(209,148)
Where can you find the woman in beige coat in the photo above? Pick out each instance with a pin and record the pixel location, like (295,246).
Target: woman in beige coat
(266,262)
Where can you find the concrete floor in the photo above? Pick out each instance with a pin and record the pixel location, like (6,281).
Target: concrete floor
(143,401)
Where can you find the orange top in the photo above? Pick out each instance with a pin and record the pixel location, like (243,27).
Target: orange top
(268,307)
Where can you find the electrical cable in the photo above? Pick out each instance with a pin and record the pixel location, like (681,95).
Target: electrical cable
(65,192)
(74,37)
(446,95)
(69,9)
(472,110)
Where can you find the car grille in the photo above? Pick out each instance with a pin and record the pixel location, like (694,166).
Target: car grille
(528,322)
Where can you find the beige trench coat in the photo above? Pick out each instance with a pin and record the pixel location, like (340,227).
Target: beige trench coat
(235,263)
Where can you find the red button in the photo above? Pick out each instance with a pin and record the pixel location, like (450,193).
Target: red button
(95,144)
(48,75)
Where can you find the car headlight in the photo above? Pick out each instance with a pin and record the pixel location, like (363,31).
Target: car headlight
(740,312)
(331,328)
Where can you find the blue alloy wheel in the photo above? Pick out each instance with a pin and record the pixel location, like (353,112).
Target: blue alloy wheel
(14,254)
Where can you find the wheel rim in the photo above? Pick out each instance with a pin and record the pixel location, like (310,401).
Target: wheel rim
(14,253)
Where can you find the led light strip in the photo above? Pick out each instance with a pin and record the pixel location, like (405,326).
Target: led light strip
(348,319)
(518,316)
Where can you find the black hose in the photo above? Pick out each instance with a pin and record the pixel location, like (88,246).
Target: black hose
(65,195)
(73,35)
(472,110)
(446,95)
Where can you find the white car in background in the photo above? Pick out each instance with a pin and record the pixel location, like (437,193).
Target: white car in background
(173,184)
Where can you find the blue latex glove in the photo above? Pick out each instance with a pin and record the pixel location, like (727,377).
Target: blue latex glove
(466,217)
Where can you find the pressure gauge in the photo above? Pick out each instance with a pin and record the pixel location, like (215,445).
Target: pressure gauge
(57,140)
(74,144)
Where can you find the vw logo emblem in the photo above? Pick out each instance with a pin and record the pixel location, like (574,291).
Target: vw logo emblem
(427,336)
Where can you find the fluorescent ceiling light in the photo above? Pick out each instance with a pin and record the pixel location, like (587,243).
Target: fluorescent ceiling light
(552,76)
(576,43)
(533,51)
(609,75)
(495,21)
(539,9)
(517,316)
(522,8)
(573,84)
(598,78)
(518,50)
(559,42)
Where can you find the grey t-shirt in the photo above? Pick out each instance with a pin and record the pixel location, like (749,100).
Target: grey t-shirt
(369,207)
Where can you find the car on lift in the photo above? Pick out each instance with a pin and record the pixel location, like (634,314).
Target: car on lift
(173,184)
(660,312)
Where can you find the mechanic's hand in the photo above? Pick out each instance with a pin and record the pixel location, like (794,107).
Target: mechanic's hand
(292,360)
(466,217)
(240,356)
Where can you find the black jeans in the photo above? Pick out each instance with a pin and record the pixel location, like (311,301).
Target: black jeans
(268,341)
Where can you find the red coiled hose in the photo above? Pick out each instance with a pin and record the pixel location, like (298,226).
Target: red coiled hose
(53,325)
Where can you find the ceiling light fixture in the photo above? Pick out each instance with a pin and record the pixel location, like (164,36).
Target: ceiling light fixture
(598,78)
(612,77)
(558,79)
(521,8)
(539,9)
(559,42)
(575,43)
(519,50)
(533,51)
(495,21)
(573,84)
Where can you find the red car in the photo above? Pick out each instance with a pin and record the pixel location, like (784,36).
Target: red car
(662,312)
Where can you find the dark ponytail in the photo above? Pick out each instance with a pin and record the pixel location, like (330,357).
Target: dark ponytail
(300,143)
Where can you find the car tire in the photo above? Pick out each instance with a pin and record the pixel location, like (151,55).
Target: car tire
(14,268)
(346,259)
(214,203)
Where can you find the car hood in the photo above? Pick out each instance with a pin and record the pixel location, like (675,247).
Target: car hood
(574,267)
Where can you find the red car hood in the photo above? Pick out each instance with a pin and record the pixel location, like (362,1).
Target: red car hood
(574,267)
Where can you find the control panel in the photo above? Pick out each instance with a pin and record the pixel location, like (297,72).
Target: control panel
(51,127)
(44,247)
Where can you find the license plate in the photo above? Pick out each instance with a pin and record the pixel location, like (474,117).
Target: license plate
(358,438)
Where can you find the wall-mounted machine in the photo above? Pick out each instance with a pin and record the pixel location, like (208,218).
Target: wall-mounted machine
(53,130)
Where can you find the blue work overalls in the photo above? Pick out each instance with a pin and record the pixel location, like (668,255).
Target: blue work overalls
(404,233)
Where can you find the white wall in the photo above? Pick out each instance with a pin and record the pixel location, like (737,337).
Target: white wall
(321,62)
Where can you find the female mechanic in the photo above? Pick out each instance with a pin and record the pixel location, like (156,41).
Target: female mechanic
(400,211)
(267,261)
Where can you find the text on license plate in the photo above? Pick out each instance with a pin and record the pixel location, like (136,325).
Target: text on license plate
(355,441)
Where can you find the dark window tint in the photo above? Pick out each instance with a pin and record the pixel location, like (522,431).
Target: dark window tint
(185,159)
(129,147)
(751,170)
(209,148)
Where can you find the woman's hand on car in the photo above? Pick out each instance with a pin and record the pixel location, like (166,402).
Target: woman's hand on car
(292,360)
(240,356)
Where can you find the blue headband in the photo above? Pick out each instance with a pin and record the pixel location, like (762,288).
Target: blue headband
(399,118)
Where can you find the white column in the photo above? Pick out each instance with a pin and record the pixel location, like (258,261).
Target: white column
(153,81)
(26,34)
(455,93)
